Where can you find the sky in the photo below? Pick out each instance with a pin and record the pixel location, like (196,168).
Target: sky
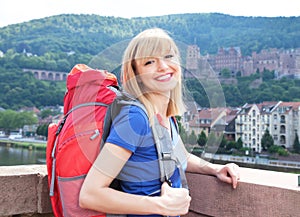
(18,11)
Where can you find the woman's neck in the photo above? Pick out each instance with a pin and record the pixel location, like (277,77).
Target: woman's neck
(160,103)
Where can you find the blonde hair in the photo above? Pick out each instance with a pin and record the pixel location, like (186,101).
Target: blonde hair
(150,43)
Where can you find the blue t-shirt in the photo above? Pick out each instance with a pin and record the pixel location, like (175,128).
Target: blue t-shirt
(140,175)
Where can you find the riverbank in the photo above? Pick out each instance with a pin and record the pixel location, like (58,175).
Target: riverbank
(36,145)
(22,152)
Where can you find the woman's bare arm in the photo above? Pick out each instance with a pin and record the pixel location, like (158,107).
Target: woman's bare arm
(97,195)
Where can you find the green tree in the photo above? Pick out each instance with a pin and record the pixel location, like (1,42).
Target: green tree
(182,132)
(223,143)
(42,130)
(279,150)
(294,92)
(226,73)
(296,144)
(213,142)
(202,139)
(239,143)
(192,138)
(267,75)
(231,145)
(267,140)
(184,136)
(26,118)
(8,121)
(12,120)
(45,113)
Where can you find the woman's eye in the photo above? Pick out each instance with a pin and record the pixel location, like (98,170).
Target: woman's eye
(169,56)
(149,62)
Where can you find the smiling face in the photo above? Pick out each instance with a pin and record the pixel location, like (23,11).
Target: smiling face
(158,74)
(151,67)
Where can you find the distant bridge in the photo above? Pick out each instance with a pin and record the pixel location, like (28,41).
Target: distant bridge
(47,75)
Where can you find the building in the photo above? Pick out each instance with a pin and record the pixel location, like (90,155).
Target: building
(229,132)
(192,57)
(197,66)
(285,123)
(243,127)
(266,59)
(250,122)
(227,58)
(282,62)
(289,63)
(280,118)
(208,120)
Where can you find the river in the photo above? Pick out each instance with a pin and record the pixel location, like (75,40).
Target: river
(20,156)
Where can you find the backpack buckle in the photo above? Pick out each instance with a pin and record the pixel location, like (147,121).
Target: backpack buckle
(166,156)
(169,182)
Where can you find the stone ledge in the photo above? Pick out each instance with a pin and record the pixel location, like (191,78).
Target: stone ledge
(261,193)
(24,190)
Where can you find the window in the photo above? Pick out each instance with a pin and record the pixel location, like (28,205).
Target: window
(282,119)
(282,140)
(282,129)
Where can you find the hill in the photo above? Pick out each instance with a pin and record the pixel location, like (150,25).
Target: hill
(90,34)
(59,42)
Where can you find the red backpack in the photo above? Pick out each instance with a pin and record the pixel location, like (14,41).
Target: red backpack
(75,142)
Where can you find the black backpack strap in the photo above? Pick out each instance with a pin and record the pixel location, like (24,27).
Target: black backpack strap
(122,99)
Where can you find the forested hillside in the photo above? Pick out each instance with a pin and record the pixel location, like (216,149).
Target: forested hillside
(58,42)
(22,89)
(89,34)
(285,89)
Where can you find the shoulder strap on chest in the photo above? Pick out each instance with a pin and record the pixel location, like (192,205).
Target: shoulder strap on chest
(170,156)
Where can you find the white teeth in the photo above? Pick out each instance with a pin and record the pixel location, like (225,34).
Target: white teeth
(164,77)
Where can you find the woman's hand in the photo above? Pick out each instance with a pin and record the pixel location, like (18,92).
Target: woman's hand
(175,201)
(229,173)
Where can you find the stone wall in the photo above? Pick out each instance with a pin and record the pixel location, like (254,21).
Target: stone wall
(261,193)
(24,190)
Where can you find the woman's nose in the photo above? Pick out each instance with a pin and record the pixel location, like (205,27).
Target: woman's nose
(162,64)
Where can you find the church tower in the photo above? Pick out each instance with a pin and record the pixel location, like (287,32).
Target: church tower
(192,57)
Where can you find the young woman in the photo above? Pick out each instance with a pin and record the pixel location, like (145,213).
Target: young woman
(151,72)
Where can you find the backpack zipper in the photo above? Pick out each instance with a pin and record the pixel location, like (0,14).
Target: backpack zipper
(95,135)
(85,133)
